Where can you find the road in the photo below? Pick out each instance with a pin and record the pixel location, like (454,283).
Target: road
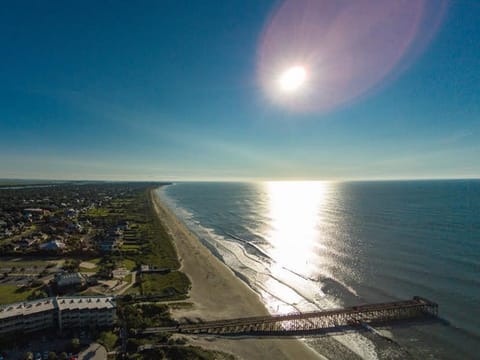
(94,352)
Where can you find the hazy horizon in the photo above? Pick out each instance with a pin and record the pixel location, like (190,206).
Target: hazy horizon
(239,180)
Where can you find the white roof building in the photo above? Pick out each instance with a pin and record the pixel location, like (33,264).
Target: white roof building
(58,312)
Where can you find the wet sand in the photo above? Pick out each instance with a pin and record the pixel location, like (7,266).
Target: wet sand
(217,293)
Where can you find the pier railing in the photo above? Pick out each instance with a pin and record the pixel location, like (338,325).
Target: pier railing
(415,308)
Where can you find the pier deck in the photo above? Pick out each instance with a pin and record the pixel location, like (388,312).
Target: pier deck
(317,321)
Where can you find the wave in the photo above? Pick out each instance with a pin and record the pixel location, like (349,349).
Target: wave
(338,290)
(253,271)
(251,245)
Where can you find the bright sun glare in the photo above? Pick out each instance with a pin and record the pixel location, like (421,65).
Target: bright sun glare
(293,78)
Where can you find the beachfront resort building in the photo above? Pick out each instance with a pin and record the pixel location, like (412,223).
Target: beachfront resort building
(60,313)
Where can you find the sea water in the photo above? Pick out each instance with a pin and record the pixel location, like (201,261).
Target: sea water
(305,246)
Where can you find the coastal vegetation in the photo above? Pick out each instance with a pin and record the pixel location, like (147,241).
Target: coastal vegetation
(162,345)
(183,352)
(141,316)
(174,283)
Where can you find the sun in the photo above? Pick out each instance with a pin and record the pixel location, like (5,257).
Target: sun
(293,78)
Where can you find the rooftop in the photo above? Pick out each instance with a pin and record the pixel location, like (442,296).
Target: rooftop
(61,303)
(82,302)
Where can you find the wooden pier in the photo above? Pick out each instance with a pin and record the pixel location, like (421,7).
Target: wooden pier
(311,322)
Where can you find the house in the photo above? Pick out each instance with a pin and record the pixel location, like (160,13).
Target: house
(71,213)
(112,242)
(55,245)
(34,213)
(74,227)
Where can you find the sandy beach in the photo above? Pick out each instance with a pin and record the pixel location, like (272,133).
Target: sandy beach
(217,293)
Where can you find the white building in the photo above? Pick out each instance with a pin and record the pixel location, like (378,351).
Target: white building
(58,312)
(28,316)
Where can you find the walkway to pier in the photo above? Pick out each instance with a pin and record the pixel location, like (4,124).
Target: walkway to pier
(311,322)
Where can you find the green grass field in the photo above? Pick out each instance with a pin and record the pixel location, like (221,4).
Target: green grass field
(129,264)
(12,293)
(26,263)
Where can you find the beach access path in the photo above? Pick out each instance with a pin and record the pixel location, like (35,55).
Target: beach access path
(217,293)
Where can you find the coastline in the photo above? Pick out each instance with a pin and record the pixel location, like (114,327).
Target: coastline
(217,293)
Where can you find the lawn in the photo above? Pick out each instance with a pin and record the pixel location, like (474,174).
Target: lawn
(25,264)
(128,278)
(129,264)
(13,293)
(133,290)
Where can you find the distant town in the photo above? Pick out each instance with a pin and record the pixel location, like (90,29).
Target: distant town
(89,261)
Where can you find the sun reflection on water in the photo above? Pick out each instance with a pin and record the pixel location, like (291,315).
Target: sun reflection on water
(295,212)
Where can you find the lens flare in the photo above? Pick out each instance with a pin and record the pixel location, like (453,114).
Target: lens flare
(349,48)
(293,79)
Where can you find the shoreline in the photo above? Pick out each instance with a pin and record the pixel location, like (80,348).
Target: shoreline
(217,293)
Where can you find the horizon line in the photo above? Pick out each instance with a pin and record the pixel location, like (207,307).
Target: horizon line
(233,180)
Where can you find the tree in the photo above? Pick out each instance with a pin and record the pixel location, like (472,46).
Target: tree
(127,298)
(75,344)
(28,356)
(108,339)
(72,265)
(52,356)
(63,356)
(36,283)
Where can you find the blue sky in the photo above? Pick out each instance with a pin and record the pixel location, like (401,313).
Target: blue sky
(169,90)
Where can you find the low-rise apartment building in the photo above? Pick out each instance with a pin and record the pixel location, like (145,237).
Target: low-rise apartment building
(58,313)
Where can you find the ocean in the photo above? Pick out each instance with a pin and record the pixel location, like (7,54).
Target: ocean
(320,245)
